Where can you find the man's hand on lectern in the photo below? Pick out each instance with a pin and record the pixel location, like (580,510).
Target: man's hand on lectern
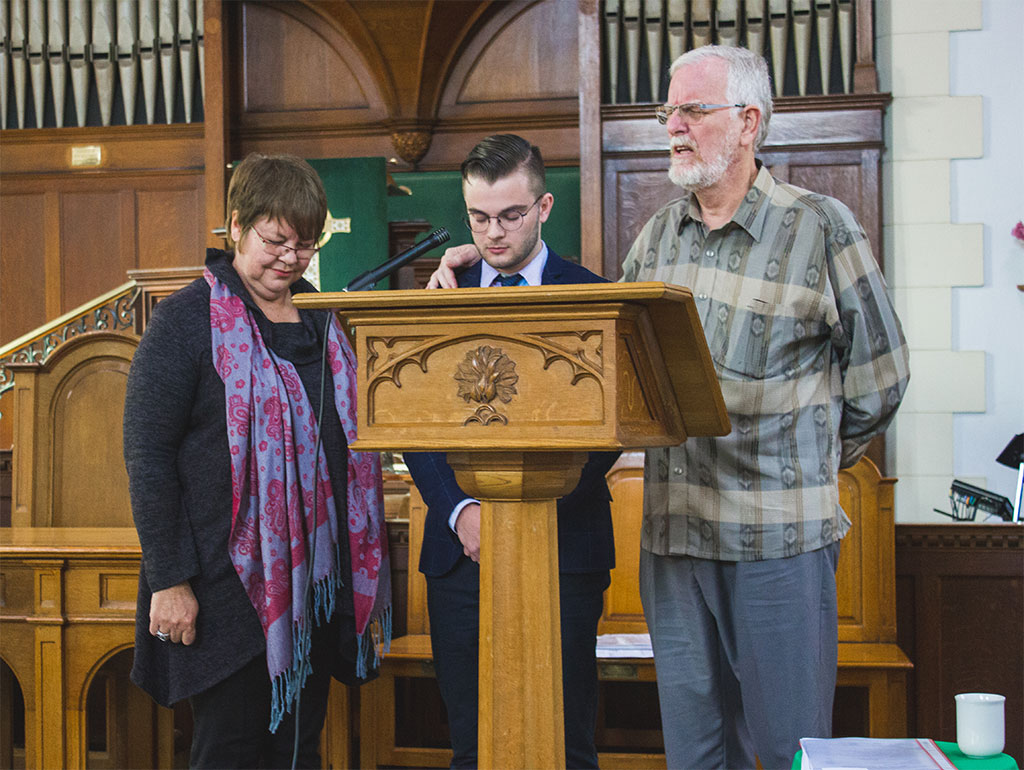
(455,258)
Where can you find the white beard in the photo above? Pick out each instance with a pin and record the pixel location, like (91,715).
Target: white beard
(704,173)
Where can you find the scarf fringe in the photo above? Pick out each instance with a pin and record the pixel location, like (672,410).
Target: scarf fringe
(373,642)
(286,687)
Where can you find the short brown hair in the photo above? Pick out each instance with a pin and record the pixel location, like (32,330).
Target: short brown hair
(502,155)
(279,187)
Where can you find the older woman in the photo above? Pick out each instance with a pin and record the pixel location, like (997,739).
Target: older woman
(264,557)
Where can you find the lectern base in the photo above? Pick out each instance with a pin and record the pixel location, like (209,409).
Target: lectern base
(521,720)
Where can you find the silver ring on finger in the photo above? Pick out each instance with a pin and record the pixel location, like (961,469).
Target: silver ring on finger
(163,636)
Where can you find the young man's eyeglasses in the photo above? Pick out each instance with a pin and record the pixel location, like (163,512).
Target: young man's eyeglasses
(510,219)
(692,111)
(279,249)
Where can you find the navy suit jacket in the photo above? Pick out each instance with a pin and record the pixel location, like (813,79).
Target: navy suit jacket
(585,542)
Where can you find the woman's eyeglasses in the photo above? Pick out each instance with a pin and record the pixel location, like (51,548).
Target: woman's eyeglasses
(279,249)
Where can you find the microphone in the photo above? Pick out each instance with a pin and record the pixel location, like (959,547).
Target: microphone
(370,277)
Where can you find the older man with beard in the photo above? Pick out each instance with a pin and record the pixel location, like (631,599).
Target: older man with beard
(741,533)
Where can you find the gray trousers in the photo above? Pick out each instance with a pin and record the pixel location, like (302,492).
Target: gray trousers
(745,654)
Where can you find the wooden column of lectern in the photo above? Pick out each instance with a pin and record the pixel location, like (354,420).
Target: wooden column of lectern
(517,385)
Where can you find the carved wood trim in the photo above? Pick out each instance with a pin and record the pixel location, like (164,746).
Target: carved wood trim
(960,537)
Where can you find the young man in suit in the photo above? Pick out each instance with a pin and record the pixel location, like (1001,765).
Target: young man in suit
(506,203)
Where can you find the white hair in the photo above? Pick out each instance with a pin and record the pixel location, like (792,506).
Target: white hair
(748,81)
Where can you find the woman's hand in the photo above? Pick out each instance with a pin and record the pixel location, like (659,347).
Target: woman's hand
(453,259)
(173,611)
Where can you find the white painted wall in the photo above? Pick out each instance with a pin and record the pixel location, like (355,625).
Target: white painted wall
(953,181)
(990,62)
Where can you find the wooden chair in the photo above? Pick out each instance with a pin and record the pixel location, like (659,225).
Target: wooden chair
(868,655)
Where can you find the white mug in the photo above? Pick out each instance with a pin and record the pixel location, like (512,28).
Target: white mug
(979,723)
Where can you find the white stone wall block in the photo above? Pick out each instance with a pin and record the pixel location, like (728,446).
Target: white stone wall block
(937,255)
(936,127)
(945,381)
(926,315)
(924,444)
(920,192)
(920,65)
(908,16)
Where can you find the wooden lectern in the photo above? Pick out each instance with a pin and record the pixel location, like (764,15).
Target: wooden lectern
(517,385)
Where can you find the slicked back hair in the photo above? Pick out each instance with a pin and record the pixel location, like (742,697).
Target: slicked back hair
(748,80)
(502,155)
(277,187)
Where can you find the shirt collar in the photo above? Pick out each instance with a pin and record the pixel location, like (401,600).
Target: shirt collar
(533,272)
(753,209)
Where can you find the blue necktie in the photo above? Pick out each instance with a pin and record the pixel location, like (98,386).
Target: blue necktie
(509,280)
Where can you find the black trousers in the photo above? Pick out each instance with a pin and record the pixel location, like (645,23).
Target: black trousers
(453,601)
(231,719)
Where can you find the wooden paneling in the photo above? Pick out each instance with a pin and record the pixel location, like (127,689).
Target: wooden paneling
(217,134)
(23,267)
(302,64)
(451,72)
(636,186)
(57,638)
(95,250)
(166,217)
(68,238)
(122,148)
(961,619)
(526,59)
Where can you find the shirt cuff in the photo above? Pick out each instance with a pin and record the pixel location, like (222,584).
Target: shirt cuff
(457,510)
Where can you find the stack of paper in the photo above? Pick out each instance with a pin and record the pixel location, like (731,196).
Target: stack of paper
(872,754)
(624,646)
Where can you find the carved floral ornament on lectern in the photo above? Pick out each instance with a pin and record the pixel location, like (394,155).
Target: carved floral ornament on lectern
(486,373)
(483,375)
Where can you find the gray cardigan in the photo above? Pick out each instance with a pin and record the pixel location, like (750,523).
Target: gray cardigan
(179,471)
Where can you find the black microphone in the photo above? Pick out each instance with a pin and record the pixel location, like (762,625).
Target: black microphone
(370,277)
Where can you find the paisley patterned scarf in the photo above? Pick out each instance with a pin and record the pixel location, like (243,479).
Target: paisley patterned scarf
(272,437)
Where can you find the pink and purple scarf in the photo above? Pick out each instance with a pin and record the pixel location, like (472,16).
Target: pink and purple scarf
(272,438)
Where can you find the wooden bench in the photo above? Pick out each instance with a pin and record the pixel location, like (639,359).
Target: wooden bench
(869,658)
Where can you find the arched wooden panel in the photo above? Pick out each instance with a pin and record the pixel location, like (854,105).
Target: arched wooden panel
(90,484)
(854,495)
(299,69)
(68,464)
(123,726)
(623,612)
(17,657)
(524,59)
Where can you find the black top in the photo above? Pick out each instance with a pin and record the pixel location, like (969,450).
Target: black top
(179,473)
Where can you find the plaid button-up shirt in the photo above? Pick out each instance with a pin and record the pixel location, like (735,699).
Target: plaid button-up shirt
(811,360)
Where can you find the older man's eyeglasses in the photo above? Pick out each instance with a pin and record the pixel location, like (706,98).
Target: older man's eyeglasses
(691,111)
(279,249)
(508,220)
